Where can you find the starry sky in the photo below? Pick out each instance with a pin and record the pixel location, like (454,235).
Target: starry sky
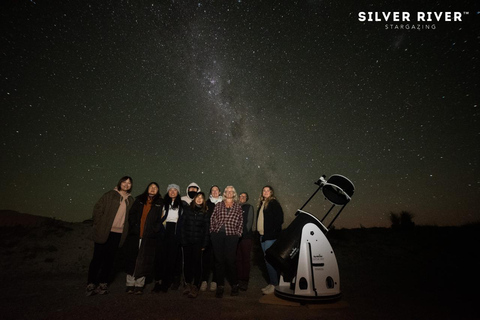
(243,93)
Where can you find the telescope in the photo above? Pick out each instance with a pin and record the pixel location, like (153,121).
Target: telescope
(303,255)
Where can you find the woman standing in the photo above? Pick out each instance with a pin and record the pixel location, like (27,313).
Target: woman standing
(195,237)
(171,256)
(208,260)
(269,226)
(226,226)
(145,226)
(109,233)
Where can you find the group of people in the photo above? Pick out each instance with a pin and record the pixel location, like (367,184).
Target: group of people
(207,240)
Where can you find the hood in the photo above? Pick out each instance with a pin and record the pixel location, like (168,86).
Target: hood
(193,184)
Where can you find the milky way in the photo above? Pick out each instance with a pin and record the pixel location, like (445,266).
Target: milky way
(243,93)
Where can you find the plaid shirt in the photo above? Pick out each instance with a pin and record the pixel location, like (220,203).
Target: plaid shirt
(232,221)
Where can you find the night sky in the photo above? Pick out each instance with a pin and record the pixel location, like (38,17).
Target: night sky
(242,93)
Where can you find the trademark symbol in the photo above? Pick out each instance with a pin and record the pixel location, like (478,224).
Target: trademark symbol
(466,12)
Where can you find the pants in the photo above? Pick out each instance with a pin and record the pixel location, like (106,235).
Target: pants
(103,258)
(131,280)
(272,273)
(224,249)
(208,263)
(244,250)
(192,256)
(171,256)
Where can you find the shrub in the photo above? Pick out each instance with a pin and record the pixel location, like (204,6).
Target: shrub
(402,220)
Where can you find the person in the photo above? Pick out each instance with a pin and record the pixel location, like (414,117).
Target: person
(171,250)
(208,261)
(226,226)
(245,244)
(269,226)
(192,190)
(145,226)
(195,236)
(109,233)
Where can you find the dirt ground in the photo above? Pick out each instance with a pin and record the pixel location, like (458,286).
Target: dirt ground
(427,273)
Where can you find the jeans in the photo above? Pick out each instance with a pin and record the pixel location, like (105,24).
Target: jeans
(272,273)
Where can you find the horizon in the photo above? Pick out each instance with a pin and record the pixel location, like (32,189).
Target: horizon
(242,93)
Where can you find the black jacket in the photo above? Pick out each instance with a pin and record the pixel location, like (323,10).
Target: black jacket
(195,227)
(272,220)
(139,261)
(153,226)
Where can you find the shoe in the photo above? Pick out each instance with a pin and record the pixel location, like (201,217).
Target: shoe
(156,288)
(243,285)
(90,290)
(213,286)
(269,290)
(102,288)
(130,289)
(203,286)
(175,286)
(138,290)
(164,288)
(267,287)
(219,292)
(194,292)
(188,288)
(234,291)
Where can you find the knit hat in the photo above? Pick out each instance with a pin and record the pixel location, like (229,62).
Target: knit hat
(173,186)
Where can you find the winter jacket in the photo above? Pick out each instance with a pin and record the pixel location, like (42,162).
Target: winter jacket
(154,223)
(272,220)
(140,261)
(104,213)
(195,227)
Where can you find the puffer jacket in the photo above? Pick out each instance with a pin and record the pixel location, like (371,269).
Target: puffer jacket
(195,227)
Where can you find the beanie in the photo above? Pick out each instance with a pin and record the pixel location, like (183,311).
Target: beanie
(173,186)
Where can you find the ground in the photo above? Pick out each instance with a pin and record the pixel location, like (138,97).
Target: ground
(424,273)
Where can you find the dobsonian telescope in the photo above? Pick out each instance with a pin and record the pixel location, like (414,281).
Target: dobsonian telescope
(302,253)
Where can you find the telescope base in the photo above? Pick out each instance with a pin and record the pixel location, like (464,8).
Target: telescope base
(284,292)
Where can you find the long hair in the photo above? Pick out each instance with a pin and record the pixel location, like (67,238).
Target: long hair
(235,195)
(144,196)
(122,179)
(266,200)
(204,207)
(177,202)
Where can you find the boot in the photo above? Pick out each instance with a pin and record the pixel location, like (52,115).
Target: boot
(193,292)
(156,288)
(219,292)
(243,285)
(234,291)
(188,288)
